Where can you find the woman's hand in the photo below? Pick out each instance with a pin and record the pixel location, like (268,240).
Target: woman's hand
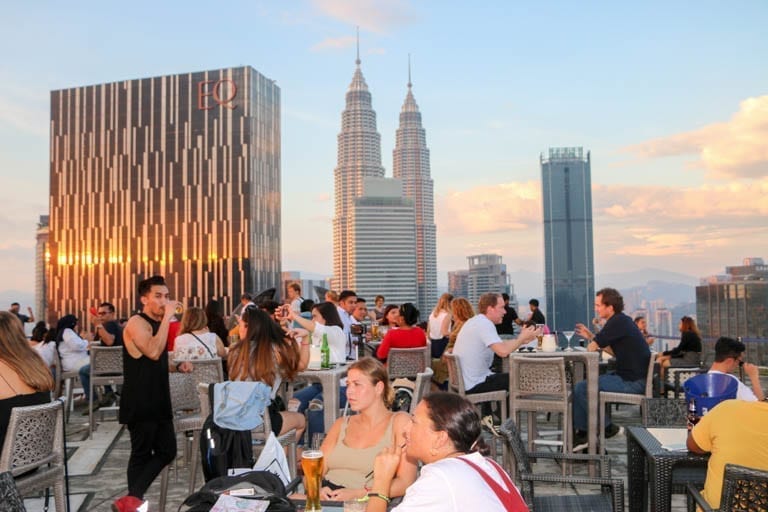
(385,465)
(325,494)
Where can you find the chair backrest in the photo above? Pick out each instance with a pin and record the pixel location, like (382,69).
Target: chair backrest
(649,377)
(207,370)
(106,361)
(34,438)
(423,382)
(521,463)
(455,377)
(407,362)
(184,396)
(744,489)
(664,412)
(543,377)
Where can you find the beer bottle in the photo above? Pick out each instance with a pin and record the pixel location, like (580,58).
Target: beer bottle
(692,418)
(325,353)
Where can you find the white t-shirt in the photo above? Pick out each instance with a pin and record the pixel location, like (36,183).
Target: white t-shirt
(73,351)
(450,485)
(473,349)
(744,393)
(435,324)
(337,342)
(187,348)
(46,351)
(296,304)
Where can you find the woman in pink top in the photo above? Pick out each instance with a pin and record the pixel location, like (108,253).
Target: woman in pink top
(407,335)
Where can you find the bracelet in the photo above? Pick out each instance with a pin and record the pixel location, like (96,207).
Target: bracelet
(378,495)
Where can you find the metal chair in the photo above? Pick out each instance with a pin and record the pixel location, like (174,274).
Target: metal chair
(106,369)
(677,375)
(611,497)
(407,362)
(607,397)
(67,381)
(35,442)
(744,489)
(540,385)
(423,382)
(188,414)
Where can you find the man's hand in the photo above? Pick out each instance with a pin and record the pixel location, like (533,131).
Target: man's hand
(528,334)
(583,331)
(593,346)
(170,310)
(184,367)
(29,310)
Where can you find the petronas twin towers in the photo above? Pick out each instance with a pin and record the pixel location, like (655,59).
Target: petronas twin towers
(384,238)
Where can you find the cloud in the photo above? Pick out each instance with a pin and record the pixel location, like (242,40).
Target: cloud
(379,16)
(322,197)
(334,43)
(731,149)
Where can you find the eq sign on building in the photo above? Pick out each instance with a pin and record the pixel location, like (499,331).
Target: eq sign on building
(175,175)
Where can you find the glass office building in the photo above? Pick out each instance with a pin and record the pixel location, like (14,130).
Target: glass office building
(569,275)
(175,175)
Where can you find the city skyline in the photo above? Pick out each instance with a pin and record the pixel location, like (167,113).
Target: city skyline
(672,106)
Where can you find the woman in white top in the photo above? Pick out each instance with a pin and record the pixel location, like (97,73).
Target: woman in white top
(439,325)
(38,342)
(195,340)
(73,350)
(445,434)
(325,320)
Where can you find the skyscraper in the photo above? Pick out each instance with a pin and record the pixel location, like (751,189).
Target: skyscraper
(359,156)
(569,280)
(486,274)
(411,165)
(174,175)
(42,255)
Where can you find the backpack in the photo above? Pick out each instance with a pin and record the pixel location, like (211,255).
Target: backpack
(222,448)
(262,484)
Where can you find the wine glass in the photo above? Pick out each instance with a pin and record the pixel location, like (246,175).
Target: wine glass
(568,335)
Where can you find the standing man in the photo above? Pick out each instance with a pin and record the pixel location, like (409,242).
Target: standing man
(510,318)
(110,334)
(15,307)
(145,405)
(537,317)
(621,338)
(347,305)
(294,297)
(477,343)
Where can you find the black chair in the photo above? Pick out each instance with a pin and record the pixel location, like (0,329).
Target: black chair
(610,498)
(744,489)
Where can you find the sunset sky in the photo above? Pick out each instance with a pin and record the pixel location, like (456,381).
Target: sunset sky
(671,98)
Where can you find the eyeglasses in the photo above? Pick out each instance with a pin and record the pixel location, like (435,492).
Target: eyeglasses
(102,313)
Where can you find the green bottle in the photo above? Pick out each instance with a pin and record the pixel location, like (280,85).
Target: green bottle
(325,353)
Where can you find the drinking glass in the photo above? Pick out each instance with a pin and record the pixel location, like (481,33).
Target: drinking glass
(312,464)
(540,336)
(568,335)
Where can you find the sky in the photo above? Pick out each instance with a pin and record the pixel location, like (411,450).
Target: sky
(670,98)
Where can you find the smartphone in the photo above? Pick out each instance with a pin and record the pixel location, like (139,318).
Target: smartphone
(93,311)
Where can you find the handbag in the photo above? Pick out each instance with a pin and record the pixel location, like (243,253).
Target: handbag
(10,498)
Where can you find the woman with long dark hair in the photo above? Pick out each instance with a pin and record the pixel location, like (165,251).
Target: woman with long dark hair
(445,434)
(266,354)
(687,352)
(407,335)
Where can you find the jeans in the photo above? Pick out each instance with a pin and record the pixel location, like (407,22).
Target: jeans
(608,382)
(315,419)
(85,380)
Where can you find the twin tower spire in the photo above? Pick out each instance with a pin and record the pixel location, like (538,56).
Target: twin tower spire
(359,162)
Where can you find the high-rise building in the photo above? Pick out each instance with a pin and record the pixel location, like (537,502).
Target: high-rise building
(411,165)
(569,280)
(458,281)
(662,322)
(358,157)
(383,251)
(175,175)
(735,304)
(486,274)
(309,284)
(41,260)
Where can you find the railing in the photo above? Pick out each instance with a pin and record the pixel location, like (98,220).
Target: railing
(756,353)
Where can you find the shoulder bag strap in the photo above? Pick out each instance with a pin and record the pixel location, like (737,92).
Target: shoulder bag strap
(509,497)
(204,345)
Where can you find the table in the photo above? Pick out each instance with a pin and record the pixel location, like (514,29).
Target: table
(330,379)
(591,362)
(649,466)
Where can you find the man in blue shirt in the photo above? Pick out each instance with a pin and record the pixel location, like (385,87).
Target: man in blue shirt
(621,338)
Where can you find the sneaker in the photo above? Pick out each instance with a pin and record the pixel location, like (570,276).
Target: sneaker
(129,504)
(613,430)
(580,442)
(108,399)
(488,423)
